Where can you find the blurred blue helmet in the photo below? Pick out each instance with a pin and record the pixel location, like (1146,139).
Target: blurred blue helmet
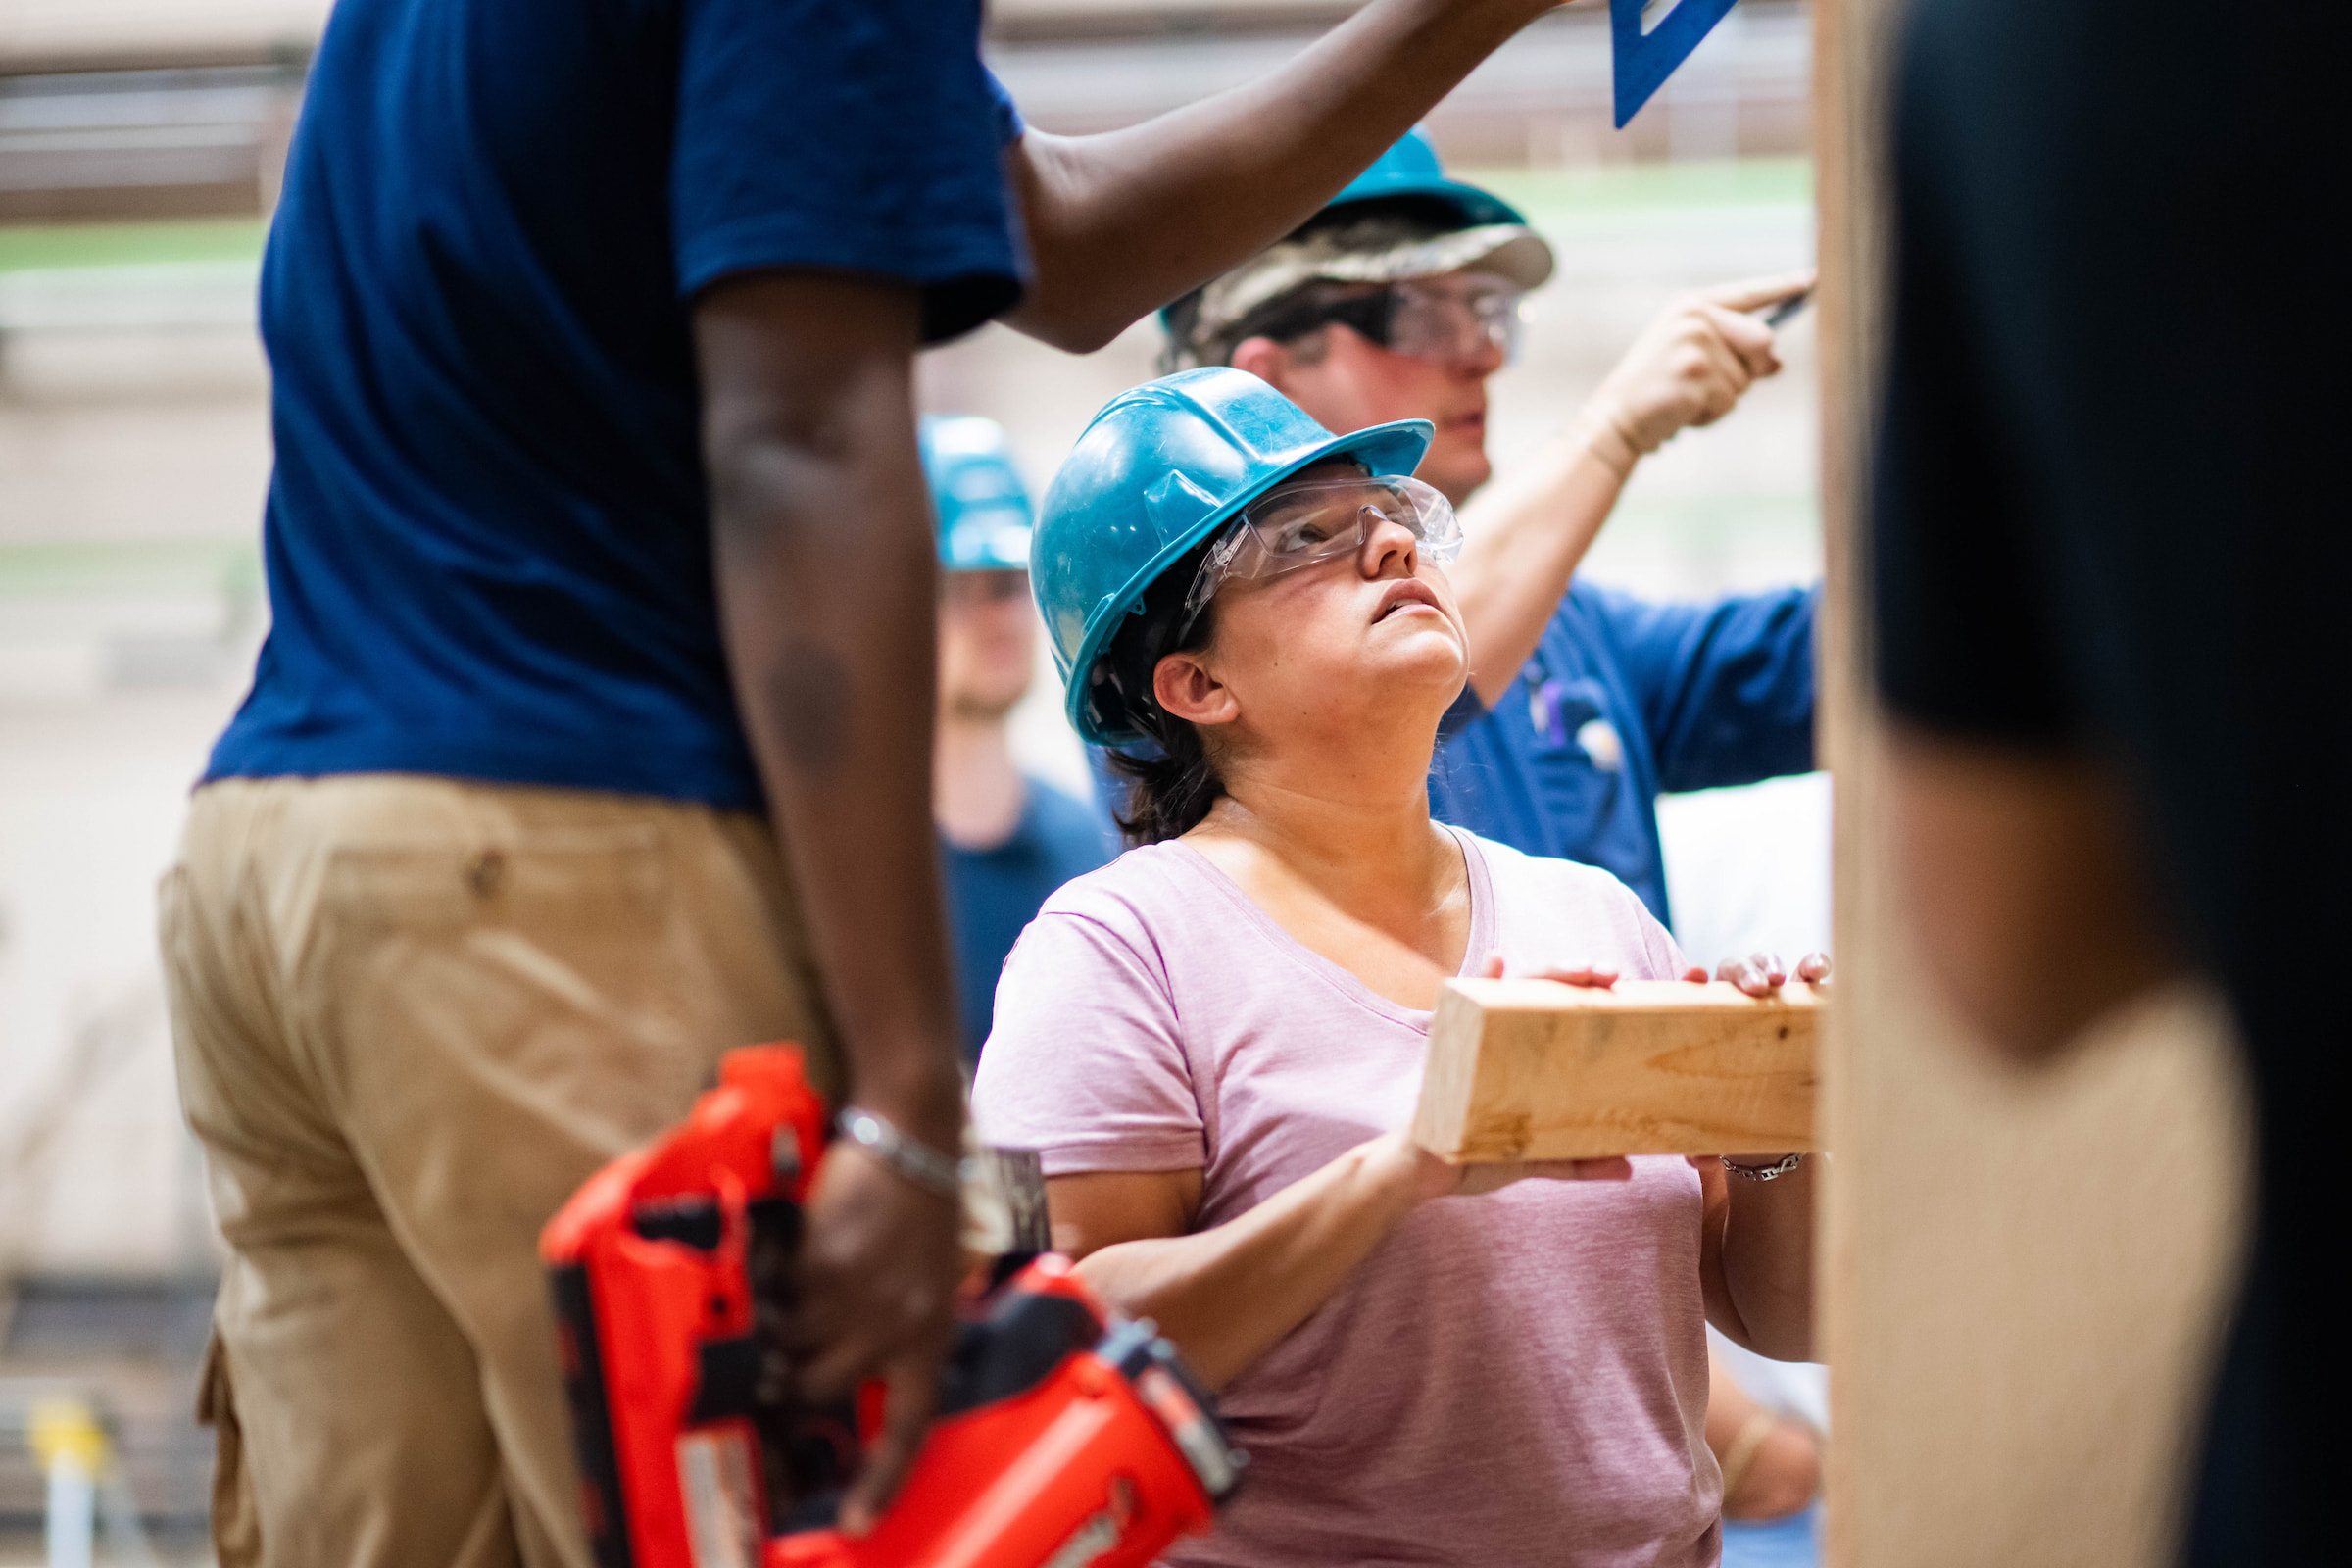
(1159,472)
(1411,169)
(982,506)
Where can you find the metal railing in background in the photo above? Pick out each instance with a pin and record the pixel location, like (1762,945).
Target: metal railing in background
(111,131)
(207,141)
(100,1460)
(64,1429)
(1542,100)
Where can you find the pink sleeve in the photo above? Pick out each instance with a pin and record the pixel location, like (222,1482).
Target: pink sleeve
(1086,1062)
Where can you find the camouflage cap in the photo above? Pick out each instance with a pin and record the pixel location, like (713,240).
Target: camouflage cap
(1383,247)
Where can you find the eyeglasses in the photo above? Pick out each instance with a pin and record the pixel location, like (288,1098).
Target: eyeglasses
(1305,524)
(1421,317)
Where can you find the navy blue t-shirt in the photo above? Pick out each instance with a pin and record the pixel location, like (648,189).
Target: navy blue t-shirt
(1623,699)
(994,894)
(487,534)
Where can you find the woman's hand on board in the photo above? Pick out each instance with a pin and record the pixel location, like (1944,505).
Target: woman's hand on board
(1421,1175)
(1427,1176)
(1759,974)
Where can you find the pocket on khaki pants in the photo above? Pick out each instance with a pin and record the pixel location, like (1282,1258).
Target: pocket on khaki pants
(236,1520)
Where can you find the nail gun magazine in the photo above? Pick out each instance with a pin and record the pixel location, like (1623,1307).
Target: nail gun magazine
(1067,1437)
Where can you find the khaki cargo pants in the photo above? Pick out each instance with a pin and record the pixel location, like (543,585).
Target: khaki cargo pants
(411,1016)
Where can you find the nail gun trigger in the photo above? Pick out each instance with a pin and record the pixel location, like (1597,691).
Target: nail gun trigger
(726,1374)
(1013,1349)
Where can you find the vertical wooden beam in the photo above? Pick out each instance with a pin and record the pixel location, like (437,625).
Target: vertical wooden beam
(2019,1275)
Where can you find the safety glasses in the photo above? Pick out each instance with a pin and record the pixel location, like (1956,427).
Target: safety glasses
(1446,321)
(1305,524)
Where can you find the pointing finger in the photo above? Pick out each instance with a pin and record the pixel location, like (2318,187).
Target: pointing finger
(1754,293)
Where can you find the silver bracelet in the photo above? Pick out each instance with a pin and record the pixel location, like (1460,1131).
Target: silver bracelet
(1764,1173)
(917,1162)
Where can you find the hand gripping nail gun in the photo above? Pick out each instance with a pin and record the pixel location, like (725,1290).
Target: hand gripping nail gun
(1065,1437)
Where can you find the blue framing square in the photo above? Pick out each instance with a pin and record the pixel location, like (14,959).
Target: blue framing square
(1644,62)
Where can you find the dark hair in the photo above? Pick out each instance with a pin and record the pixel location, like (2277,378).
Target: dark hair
(1171,784)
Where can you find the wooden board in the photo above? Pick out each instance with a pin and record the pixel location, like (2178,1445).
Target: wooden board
(1533,1070)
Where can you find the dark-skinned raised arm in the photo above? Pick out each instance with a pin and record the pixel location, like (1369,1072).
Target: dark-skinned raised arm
(821,534)
(1121,222)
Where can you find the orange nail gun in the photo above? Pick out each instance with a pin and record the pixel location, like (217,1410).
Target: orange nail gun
(1066,1436)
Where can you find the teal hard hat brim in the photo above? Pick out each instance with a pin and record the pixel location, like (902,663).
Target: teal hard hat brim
(1395,448)
(1477,206)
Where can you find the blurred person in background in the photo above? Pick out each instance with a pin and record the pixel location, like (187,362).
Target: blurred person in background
(2109,560)
(592,734)
(1400,300)
(1007,839)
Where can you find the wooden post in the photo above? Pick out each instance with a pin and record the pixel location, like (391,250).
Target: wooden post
(1533,1070)
(2019,1276)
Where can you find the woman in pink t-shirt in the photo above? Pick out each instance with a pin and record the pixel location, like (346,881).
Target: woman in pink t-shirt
(1212,1040)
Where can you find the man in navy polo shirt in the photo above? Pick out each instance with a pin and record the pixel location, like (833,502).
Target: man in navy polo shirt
(592,733)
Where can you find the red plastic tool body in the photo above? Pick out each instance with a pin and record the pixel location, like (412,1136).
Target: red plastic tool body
(1071,1437)
(1077,1466)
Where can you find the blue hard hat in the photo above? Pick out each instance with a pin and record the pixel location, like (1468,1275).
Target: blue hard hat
(1160,470)
(1411,169)
(982,506)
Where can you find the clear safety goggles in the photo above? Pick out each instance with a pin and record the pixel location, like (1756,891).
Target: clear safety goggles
(1301,525)
(1445,321)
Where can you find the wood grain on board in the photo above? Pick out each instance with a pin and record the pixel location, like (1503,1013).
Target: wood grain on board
(1534,1069)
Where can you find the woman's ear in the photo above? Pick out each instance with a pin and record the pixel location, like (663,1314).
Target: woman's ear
(1185,689)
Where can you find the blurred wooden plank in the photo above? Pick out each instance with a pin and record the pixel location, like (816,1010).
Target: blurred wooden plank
(2021,1277)
(1533,1070)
